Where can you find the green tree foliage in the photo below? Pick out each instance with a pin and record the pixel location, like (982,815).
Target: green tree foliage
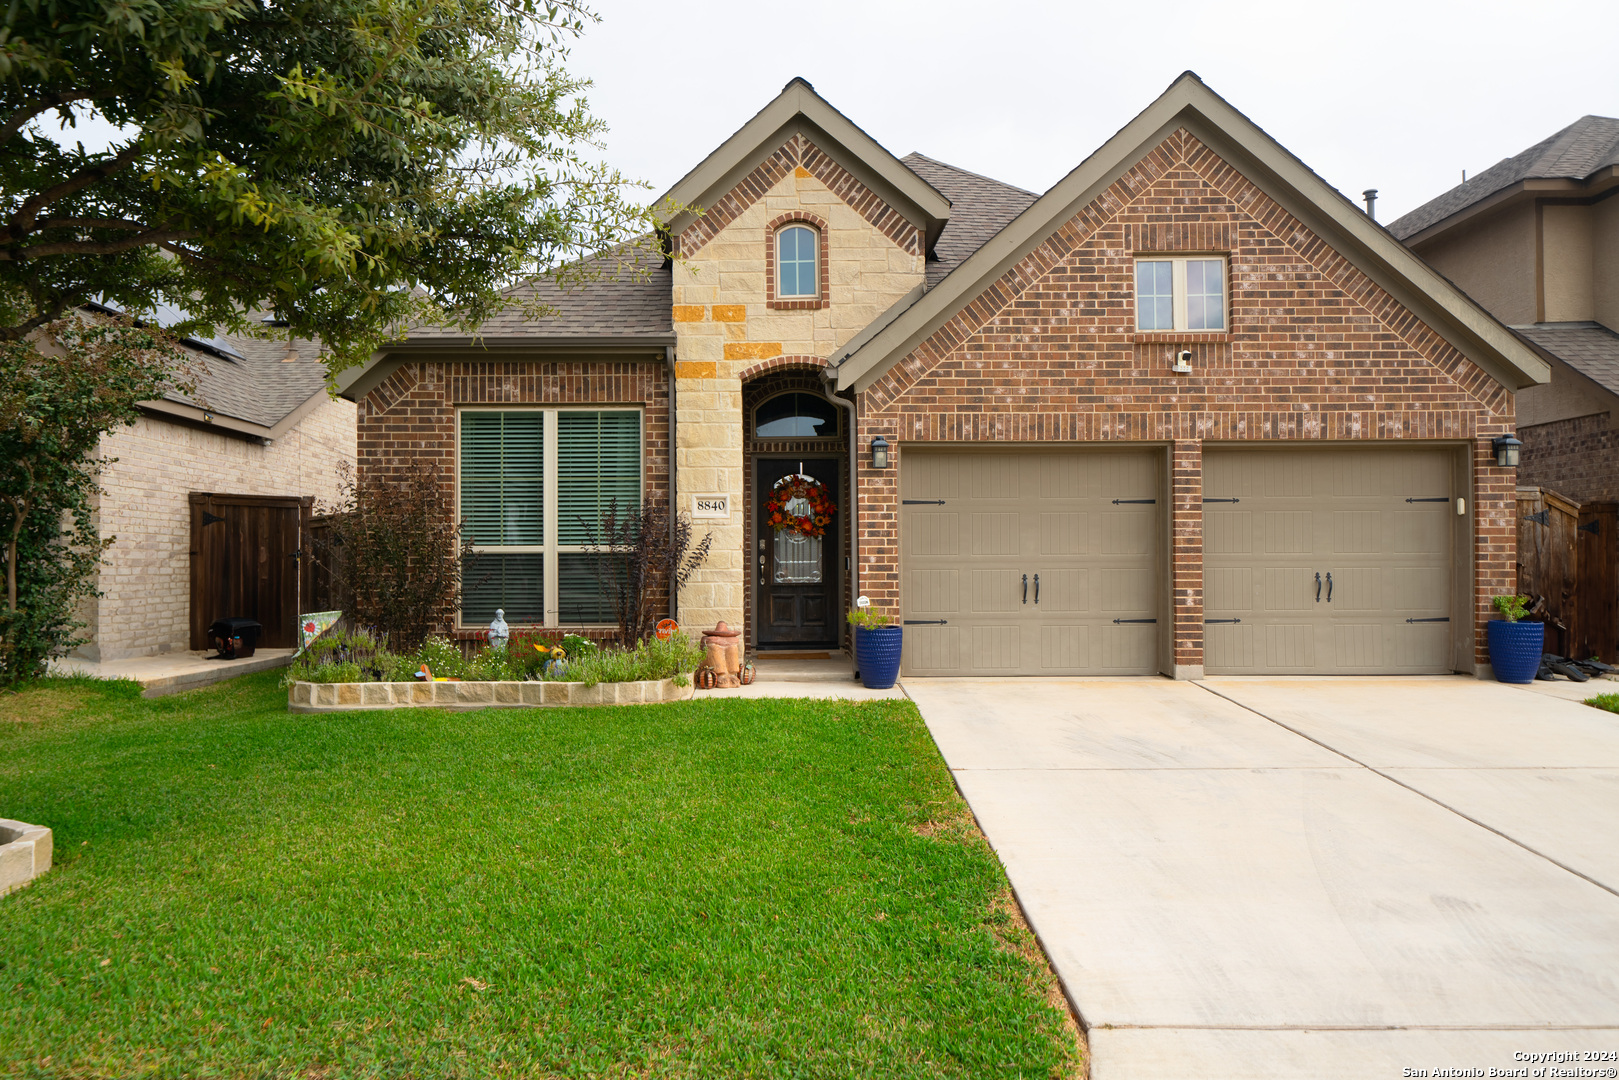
(55,403)
(351,166)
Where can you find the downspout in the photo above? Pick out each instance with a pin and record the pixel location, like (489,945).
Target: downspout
(829,382)
(674,488)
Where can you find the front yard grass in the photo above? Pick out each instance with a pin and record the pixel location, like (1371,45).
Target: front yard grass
(1609,702)
(704,889)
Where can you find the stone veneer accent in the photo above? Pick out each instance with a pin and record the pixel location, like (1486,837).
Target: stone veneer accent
(145,606)
(307,697)
(1316,351)
(727,324)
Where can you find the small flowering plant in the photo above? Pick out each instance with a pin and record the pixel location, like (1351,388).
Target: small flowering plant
(866,617)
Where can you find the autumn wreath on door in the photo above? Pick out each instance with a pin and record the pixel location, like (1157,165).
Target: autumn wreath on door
(799,504)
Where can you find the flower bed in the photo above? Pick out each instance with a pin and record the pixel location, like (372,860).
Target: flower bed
(307,697)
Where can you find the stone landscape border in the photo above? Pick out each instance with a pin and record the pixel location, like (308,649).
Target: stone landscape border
(306,697)
(25,853)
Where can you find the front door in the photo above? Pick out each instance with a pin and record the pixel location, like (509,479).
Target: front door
(796,575)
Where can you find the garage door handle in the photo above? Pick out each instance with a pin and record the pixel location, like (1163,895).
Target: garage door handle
(1222,620)
(921,502)
(1134,502)
(1437,498)
(1318,586)
(1037,588)
(1025,588)
(1445,618)
(1117,622)
(1329,586)
(927,622)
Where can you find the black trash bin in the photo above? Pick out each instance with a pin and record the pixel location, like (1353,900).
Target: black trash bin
(236,639)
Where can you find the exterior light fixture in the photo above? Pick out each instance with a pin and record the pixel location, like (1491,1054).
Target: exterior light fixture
(1506,450)
(879,453)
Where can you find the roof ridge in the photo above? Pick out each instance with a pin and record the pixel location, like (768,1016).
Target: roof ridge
(967,172)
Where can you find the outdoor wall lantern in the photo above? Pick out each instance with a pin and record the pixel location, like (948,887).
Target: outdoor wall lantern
(879,453)
(1506,451)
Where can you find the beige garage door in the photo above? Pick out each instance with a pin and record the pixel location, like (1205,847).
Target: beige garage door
(1039,563)
(1329,561)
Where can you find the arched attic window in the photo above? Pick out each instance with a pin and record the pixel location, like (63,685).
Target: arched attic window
(795,415)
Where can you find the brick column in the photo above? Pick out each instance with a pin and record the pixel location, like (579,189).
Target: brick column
(1186,558)
(1495,540)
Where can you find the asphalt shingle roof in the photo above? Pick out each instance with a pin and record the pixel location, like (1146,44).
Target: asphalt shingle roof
(631,296)
(1585,146)
(1587,347)
(262,387)
(979,208)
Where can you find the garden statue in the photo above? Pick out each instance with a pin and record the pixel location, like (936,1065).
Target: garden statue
(722,655)
(499,632)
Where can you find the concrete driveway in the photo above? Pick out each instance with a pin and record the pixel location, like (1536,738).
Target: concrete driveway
(1304,877)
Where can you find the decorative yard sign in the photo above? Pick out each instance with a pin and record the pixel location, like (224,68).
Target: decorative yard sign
(710,506)
(313,625)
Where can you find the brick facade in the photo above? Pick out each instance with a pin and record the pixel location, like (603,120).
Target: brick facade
(145,606)
(1577,458)
(411,414)
(1316,352)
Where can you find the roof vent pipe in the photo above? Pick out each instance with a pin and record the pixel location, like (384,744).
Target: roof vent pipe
(1370,195)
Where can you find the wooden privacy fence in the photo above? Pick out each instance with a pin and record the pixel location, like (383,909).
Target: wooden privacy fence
(1566,555)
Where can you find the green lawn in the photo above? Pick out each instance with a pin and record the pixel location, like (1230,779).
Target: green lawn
(707,889)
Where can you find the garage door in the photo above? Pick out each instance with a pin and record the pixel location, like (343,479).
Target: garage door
(1039,563)
(1330,561)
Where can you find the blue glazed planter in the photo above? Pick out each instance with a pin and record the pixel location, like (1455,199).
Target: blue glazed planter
(877,654)
(1515,649)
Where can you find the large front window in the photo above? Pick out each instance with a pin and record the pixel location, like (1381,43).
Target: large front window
(534,484)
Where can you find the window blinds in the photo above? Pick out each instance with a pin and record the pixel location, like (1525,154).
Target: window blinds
(503,477)
(598,463)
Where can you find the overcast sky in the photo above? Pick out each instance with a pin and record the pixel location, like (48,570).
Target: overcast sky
(1397,96)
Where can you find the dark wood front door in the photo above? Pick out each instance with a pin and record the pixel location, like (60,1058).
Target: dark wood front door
(797,576)
(244,564)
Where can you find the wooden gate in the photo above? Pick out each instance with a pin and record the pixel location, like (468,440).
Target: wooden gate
(1566,555)
(245,563)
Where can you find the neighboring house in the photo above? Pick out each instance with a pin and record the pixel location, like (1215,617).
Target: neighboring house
(1535,240)
(1188,411)
(207,499)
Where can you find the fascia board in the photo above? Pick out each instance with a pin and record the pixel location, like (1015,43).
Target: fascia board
(296,416)
(1592,188)
(741,153)
(191,414)
(1476,333)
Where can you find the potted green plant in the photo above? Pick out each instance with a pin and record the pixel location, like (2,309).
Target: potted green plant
(1515,645)
(877,643)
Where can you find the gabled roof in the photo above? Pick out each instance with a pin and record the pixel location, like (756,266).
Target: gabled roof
(1189,103)
(1588,347)
(1581,152)
(979,208)
(799,109)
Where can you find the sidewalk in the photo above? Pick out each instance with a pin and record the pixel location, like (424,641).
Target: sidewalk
(170,673)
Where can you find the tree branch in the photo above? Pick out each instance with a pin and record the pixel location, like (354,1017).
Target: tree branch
(47,313)
(19,119)
(93,247)
(89,223)
(22,222)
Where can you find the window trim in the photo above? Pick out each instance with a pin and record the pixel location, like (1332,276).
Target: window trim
(1178,261)
(550,548)
(823,282)
(753,419)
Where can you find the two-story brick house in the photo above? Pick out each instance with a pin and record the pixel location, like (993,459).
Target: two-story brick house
(1189,410)
(1535,240)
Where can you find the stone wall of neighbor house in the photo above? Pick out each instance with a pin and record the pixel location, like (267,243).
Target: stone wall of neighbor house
(145,607)
(410,416)
(1577,458)
(1316,352)
(727,320)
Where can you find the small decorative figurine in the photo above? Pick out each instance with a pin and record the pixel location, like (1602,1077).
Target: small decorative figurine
(722,655)
(499,632)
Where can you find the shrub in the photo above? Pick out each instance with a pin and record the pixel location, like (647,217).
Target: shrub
(654,556)
(1512,608)
(343,654)
(395,552)
(443,657)
(868,618)
(650,658)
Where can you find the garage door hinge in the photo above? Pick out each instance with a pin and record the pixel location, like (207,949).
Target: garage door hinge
(1116,622)
(1223,500)
(1222,620)
(927,622)
(1121,502)
(921,502)
(1445,618)
(1437,498)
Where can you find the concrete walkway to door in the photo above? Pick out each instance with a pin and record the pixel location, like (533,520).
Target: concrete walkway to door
(1304,877)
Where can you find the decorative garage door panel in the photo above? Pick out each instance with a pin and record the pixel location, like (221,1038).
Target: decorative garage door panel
(1329,561)
(1040,563)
